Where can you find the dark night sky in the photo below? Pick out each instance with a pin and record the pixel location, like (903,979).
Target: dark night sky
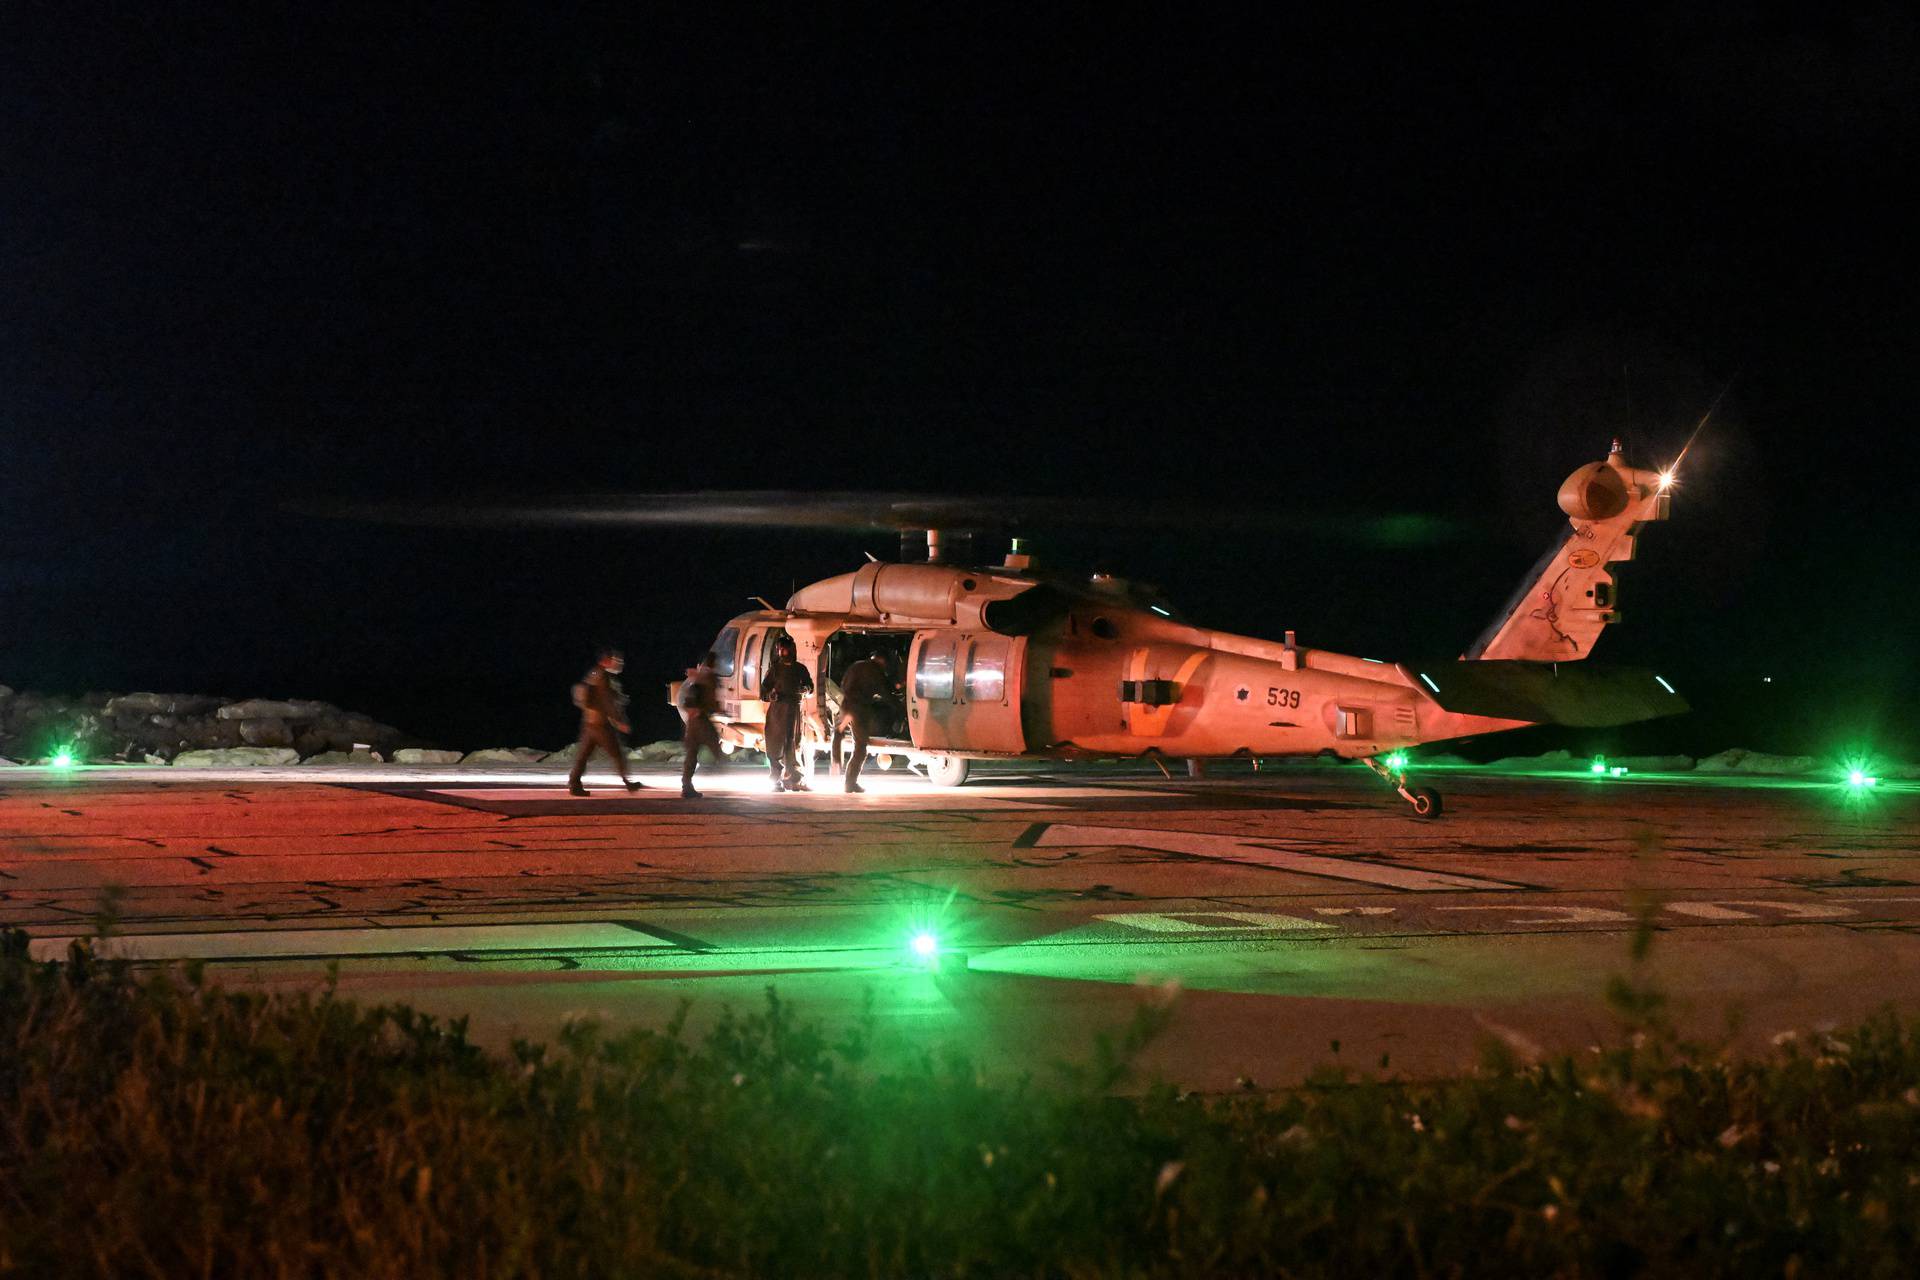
(278,258)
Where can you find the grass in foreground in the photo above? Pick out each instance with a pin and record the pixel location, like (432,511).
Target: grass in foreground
(154,1125)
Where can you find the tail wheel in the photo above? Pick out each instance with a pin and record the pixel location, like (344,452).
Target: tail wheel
(1426,803)
(947,771)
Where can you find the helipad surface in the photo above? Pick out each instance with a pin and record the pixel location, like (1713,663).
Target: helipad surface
(1281,912)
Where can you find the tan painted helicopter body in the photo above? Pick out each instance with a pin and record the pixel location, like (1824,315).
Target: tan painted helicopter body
(1009,662)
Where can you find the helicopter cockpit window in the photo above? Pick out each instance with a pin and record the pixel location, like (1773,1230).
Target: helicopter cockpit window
(933,678)
(725,650)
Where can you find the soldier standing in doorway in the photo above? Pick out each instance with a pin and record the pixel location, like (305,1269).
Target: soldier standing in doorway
(603,718)
(782,685)
(865,691)
(698,703)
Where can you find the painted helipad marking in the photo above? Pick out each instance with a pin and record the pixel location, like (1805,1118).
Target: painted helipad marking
(1725,909)
(1195,921)
(1234,849)
(264,944)
(1707,911)
(1558,915)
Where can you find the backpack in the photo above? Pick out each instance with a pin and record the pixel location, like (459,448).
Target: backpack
(696,691)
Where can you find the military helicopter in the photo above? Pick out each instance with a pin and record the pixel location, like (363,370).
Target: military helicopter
(1008,661)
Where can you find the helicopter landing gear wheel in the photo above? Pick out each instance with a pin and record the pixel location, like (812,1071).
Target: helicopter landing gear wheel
(1425,800)
(947,771)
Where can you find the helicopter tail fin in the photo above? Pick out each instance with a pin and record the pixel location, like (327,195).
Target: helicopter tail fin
(1570,596)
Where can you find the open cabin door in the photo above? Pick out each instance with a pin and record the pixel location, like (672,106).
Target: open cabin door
(963,691)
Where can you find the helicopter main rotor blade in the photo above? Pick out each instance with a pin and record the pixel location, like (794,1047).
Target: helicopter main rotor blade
(866,512)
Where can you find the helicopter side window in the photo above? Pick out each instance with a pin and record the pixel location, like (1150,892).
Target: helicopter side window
(760,657)
(725,650)
(758,644)
(933,678)
(749,667)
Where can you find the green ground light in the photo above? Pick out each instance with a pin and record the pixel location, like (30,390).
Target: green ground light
(1857,770)
(62,758)
(1859,783)
(925,923)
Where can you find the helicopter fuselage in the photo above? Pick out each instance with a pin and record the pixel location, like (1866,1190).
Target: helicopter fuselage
(1009,662)
(999,662)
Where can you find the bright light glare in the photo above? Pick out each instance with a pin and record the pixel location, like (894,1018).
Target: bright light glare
(1397,761)
(62,759)
(1667,478)
(925,945)
(1599,765)
(1165,613)
(1861,778)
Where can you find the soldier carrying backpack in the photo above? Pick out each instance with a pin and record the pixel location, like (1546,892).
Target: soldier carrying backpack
(697,705)
(603,718)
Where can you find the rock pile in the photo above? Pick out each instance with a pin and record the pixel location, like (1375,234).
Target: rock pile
(1740,760)
(159,727)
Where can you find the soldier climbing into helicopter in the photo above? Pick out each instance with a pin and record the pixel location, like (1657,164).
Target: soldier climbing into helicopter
(866,695)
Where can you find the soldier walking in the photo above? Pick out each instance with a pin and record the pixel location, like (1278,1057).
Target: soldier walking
(782,685)
(603,717)
(697,705)
(865,690)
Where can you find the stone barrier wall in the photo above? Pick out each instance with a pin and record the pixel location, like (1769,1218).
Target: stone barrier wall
(159,727)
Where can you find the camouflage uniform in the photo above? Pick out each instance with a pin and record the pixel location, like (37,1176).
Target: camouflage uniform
(864,692)
(697,704)
(603,717)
